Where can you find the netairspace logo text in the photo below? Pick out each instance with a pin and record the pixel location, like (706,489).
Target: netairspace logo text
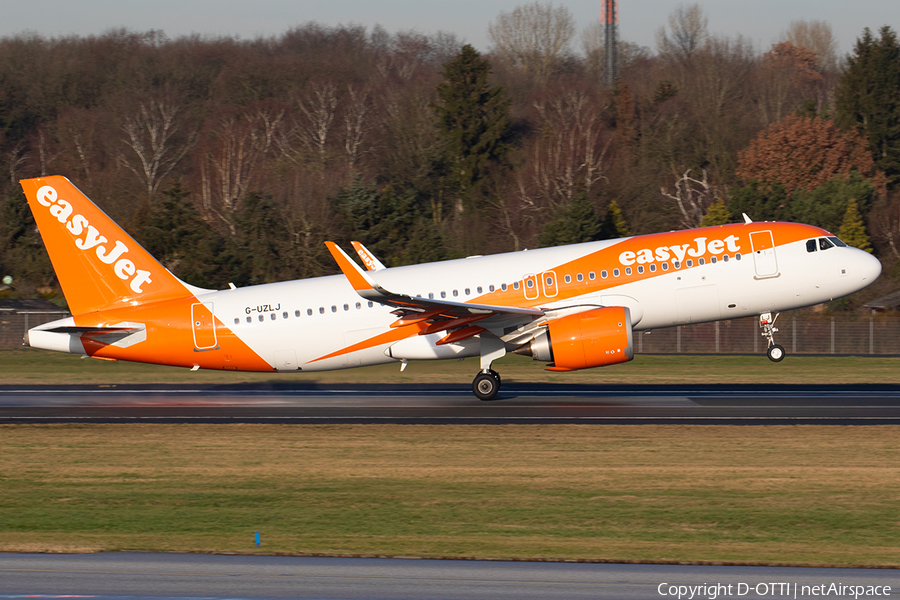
(772,590)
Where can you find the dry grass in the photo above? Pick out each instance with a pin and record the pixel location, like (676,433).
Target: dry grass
(799,495)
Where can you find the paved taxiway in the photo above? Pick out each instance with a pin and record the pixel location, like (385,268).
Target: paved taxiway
(149,575)
(517,403)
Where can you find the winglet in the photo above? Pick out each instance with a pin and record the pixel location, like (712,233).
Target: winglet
(372,263)
(356,276)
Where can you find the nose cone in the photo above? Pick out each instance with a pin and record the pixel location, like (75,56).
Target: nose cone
(869,267)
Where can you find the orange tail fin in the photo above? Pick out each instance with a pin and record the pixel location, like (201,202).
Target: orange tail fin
(98,265)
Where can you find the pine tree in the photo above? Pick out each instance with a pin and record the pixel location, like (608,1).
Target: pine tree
(473,121)
(613,224)
(575,223)
(718,214)
(853,231)
(868,98)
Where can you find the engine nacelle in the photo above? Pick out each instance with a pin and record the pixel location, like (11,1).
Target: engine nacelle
(593,338)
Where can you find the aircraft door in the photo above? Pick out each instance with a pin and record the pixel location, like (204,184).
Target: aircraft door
(764,254)
(203,325)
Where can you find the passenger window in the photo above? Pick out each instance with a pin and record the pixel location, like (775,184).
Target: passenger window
(604,274)
(628,270)
(455,293)
(549,281)
(615,272)
(568,279)
(296,313)
(237,321)
(491,287)
(701,261)
(443,294)
(725,258)
(503,286)
(309,311)
(262,318)
(371,304)
(737,256)
(468,291)
(249,319)
(478,289)
(665,266)
(579,277)
(653,267)
(811,245)
(676,264)
(284,315)
(529,283)
(640,268)
(690,262)
(273,316)
(824,244)
(346,307)
(431,295)
(358,305)
(333,308)
(712,260)
(321,310)
(592,276)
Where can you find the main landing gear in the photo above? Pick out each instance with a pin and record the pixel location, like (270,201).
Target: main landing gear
(767,323)
(487,382)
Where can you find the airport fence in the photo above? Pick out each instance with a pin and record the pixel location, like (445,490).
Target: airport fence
(13,326)
(798,334)
(874,336)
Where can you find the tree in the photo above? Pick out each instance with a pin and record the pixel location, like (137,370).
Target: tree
(805,152)
(473,122)
(718,214)
(853,230)
(787,76)
(687,32)
(816,36)
(868,98)
(613,224)
(760,201)
(534,38)
(826,206)
(575,223)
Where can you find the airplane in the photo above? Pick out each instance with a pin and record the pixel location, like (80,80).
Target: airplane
(572,307)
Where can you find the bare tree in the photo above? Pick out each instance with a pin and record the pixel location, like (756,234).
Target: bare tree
(817,36)
(312,130)
(354,124)
(228,164)
(151,134)
(693,196)
(533,37)
(569,155)
(687,32)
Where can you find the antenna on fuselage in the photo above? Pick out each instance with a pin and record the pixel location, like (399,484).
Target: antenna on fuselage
(746,218)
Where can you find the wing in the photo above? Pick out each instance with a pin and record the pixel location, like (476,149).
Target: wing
(457,318)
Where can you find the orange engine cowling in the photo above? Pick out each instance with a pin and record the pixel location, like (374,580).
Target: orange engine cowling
(593,338)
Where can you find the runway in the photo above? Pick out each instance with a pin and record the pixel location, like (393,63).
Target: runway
(453,404)
(168,576)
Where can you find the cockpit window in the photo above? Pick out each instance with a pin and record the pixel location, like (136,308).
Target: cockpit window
(811,245)
(824,244)
(837,242)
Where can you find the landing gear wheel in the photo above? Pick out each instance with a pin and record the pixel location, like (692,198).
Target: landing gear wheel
(486,386)
(496,376)
(775,353)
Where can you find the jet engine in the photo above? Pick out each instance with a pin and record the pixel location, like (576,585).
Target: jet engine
(594,338)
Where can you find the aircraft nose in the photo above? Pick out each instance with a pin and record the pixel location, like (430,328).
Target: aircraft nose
(869,267)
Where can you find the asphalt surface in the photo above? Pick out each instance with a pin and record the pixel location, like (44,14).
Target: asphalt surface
(149,575)
(517,403)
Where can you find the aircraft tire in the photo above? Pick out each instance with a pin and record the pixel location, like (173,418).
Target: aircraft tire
(485,386)
(775,353)
(497,377)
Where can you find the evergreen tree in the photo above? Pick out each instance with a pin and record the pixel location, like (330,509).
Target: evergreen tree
(760,201)
(718,214)
(868,98)
(853,231)
(473,121)
(575,223)
(613,224)
(22,253)
(826,205)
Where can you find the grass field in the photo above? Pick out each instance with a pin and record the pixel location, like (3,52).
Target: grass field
(774,495)
(30,366)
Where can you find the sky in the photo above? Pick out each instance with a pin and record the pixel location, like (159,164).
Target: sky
(759,20)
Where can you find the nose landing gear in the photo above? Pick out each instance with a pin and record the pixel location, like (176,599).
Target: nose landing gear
(767,323)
